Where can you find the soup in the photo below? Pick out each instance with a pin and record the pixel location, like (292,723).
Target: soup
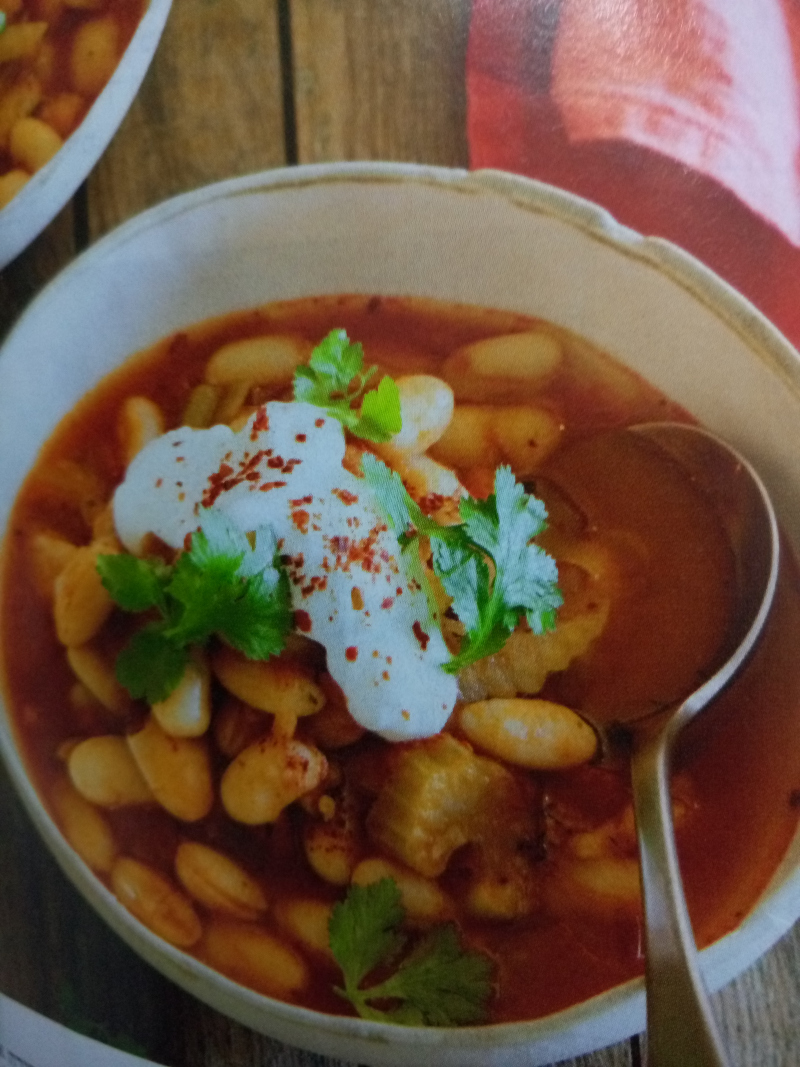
(234,815)
(56,56)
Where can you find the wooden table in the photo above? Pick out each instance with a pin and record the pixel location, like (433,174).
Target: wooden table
(238,86)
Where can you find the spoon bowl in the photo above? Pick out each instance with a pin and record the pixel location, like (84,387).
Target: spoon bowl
(680,1026)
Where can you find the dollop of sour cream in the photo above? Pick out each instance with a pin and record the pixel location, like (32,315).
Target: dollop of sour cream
(351,589)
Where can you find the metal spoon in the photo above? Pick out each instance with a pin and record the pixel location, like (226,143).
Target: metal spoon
(681,1031)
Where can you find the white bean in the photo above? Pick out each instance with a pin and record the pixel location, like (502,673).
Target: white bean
(104,772)
(200,407)
(279,685)
(218,882)
(21,40)
(140,421)
(186,712)
(95,51)
(156,902)
(333,846)
(177,769)
(422,898)
(86,829)
(604,886)
(525,436)
(33,143)
(501,897)
(482,435)
(498,367)
(254,957)
(306,920)
(268,776)
(537,734)
(49,554)
(424,477)
(269,361)
(81,603)
(426,407)
(96,672)
(468,440)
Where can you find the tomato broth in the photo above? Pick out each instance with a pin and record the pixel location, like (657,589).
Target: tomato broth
(551,893)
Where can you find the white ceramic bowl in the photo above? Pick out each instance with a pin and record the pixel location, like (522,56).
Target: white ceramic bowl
(40,200)
(488,239)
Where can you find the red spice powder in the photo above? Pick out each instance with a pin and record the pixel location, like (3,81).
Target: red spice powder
(345,496)
(420,635)
(260,423)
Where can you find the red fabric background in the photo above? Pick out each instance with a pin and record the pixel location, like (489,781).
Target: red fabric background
(514,124)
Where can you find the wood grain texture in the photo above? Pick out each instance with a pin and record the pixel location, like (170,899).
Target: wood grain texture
(33,268)
(380,79)
(757,1013)
(210,107)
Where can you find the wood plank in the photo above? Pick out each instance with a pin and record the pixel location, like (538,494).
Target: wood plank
(380,79)
(33,268)
(210,107)
(757,1013)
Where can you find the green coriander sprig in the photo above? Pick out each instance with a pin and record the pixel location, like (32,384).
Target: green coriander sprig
(436,983)
(489,601)
(228,583)
(335,379)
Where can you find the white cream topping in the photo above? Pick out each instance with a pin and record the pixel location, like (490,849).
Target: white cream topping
(350,587)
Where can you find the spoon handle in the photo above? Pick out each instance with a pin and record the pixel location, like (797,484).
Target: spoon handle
(681,1031)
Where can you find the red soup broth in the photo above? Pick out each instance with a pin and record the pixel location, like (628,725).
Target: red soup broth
(737,778)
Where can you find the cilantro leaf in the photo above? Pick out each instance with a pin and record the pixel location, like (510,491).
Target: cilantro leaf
(227,583)
(2,21)
(151,665)
(262,617)
(363,928)
(135,584)
(335,379)
(437,983)
(335,364)
(380,412)
(489,601)
(525,577)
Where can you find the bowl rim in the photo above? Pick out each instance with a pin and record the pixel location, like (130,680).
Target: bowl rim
(623,1005)
(47,191)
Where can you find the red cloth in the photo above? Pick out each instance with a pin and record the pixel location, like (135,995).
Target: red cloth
(682,117)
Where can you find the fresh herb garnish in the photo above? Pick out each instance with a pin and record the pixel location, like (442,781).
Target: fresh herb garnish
(2,21)
(227,582)
(335,379)
(489,601)
(436,983)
